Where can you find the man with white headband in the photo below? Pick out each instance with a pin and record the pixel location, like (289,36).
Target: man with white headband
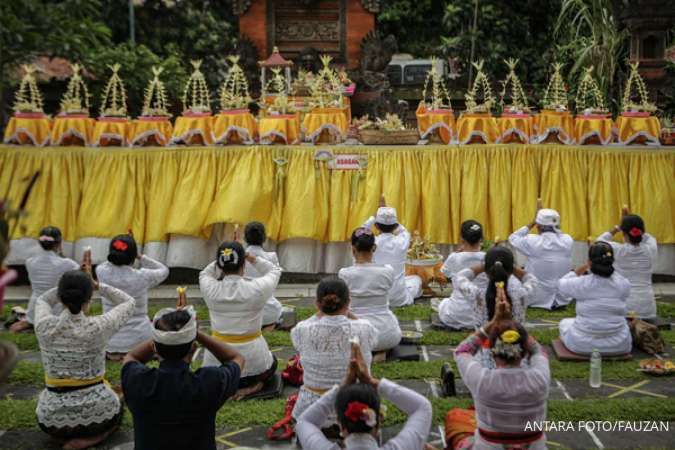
(172,406)
(392,248)
(549,256)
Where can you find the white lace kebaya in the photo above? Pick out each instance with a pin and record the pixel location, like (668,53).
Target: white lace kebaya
(72,346)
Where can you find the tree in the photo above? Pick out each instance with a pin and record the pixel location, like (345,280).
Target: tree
(415,23)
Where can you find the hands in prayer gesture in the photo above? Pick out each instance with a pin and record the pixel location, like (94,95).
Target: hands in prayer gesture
(85,266)
(540,205)
(502,309)
(235,235)
(582,269)
(181,302)
(624,212)
(383,202)
(358,370)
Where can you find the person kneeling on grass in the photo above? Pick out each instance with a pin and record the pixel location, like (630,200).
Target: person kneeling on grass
(357,406)
(236,306)
(507,397)
(172,406)
(77,406)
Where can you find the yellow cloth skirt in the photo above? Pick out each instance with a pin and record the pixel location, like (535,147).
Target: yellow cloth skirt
(515,128)
(235,127)
(193,130)
(477,127)
(588,129)
(28,129)
(150,131)
(440,123)
(72,130)
(111,132)
(553,126)
(631,129)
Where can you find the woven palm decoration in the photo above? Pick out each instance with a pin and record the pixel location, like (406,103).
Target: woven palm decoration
(439,93)
(234,91)
(114,97)
(154,98)
(555,97)
(325,87)
(278,87)
(76,98)
(480,91)
(518,97)
(28,97)
(196,97)
(635,87)
(589,98)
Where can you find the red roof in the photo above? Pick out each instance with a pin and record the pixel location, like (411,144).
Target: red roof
(275,60)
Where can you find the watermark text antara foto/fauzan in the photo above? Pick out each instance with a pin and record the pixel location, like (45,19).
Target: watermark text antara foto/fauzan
(599,425)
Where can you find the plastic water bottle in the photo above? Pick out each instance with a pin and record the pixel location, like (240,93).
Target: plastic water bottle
(595,379)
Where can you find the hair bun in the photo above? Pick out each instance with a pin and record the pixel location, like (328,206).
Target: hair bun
(330,299)
(499,264)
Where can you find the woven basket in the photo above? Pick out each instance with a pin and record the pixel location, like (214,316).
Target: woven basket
(379,137)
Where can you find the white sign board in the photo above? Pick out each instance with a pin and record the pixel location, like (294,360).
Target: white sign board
(348,162)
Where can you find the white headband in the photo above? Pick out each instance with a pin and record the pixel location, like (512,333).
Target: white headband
(185,335)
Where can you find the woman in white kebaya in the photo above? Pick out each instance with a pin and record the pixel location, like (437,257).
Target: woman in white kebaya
(549,256)
(255,236)
(236,306)
(635,259)
(119,272)
(44,271)
(323,343)
(369,288)
(392,248)
(458,311)
(601,298)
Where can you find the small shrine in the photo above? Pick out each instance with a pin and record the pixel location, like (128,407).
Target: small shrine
(335,28)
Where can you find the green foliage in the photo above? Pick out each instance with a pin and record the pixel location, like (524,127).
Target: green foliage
(415,23)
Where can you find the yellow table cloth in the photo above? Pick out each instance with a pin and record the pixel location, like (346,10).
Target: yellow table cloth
(74,129)
(284,128)
(588,128)
(150,131)
(515,128)
(475,125)
(330,120)
(630,128)
(28,129)
(235,127)
(194,129)
(554,127)
(111,131)
(436,122)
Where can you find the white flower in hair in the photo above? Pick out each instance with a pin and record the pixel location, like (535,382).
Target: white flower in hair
(370,417)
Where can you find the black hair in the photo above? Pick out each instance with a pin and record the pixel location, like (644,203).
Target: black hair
(332,294)
(74,290)
(123,250)
(471,231)
(363,393)
(498,267)
(254,233)
(546,228)
(601,256)
(506,325)
(53,233)
(234,261)
(173,321)
(386,228)
(633,227)
(363,240)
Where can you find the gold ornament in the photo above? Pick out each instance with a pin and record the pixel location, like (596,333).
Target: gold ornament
(518,97)
(114,98)
(326,87)
(154,98)
(472,97)
(589,99)
(555,97)
(643,104)
(28,97)
(76,98)
(278,87)
(439,93)
(196,94)
(234,91)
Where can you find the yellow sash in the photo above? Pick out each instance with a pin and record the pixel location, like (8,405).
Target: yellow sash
(317,391)
(72,382)
(236,338)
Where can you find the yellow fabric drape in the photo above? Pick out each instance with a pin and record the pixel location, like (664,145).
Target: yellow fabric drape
(440,122)
(513,128)
(28,131)
(143,130)
(236,338)
(160,191)
(630,128)
(65,128)
(585,128)
(193,130)
(284,128)
(547,122)
(72,382)
(106,131)
(232,127)
(333,120)
(477,125)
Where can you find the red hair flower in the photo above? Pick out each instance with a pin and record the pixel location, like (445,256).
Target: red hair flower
(635,232)
(355,411)
(120,245)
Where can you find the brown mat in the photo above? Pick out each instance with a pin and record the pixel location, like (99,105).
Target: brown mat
(565,354)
